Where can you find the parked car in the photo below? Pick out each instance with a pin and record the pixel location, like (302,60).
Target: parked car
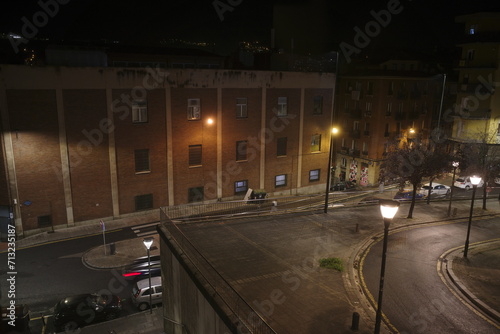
(464,183)
(342,185)
(437,189)
(81,310)
(141,293)
(144,259)
(407,195)
(370,200)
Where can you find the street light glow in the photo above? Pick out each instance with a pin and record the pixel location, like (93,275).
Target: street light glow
(210,121)
(455,164)
(335,131)
(475,180)
(388,208)
(148,242)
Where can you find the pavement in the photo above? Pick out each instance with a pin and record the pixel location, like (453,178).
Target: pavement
(475,277)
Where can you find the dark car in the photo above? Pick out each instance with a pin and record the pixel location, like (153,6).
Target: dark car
(343,185)
(407,196)
(80,310)
(144,259)
(15,319)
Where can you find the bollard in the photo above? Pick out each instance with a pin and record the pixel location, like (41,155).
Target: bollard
(454,212)
(112,248)
(355,321)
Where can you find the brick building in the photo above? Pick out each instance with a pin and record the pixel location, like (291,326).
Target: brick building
(83,144)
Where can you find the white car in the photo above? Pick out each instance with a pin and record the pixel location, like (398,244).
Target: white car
(464,183)
(437,189)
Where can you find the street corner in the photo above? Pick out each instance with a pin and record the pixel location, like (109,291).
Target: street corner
(118,254)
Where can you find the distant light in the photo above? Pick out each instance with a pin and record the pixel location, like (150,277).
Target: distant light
(15,36)
(475,180)
(335,131)
(210,121)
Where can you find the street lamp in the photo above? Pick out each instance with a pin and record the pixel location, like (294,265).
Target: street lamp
(475,180)
(148,242)
(455,165)
(388,208)
(329,171)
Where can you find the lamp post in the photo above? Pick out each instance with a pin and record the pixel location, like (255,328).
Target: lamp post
(455,165)
(148,242)
(475,180)
(388,208)
(329,171)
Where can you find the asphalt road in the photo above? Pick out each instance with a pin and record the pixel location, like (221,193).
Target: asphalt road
(50,272)
(415,299)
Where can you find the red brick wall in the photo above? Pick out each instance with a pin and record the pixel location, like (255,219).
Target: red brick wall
(131,136)
(282,127)
(33,119)
(87,131)
(194,132)
(237,129)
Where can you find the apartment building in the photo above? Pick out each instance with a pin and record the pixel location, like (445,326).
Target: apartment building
(83,144)
(477,115)
(376,107)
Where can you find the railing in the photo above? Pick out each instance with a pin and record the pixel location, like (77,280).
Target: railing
(245,314)
(210,211)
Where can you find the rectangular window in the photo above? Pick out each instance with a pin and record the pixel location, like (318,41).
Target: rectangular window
(470,54)
(143,202)
(281,146)
(368,106)
(316,143)
(241,107)
(240,187)
(195,154)
(355,125)
(369,89)
(346,106)
(367,129)
(241,150)
(193,109)
(314,175)
(390,91)
(280,180)
(343,162)
(282,106)
(142,161)
(386,132)
(44,221)
(388,112)
(196,194)
(139,111)
(318,105)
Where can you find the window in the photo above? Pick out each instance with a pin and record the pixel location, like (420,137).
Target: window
(280,180)
(282,105)
(195,194)
(389,109)
(386,132)
(240,187)
(365,148)
(142,161)
(367,129)
(318,105)
(398,128)
(472,29)
(241,150)
(369,89)
(281,146)
(143,202)
(194,109)
(314,175)
(44,221)
(390,91)
(346,106)
(316,143)
(355,125)
(241,107)
(470,54)
(195,155)
(368,106)
(343,162)
(139,111)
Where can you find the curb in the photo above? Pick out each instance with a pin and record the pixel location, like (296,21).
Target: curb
(463,289)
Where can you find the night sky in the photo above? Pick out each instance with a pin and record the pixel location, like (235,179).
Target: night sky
(422,25)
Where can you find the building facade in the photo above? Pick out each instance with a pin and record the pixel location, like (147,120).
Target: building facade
(374,110)
(84,144)
(476,117)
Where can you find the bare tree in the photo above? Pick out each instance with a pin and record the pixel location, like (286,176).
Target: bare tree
(412,162)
